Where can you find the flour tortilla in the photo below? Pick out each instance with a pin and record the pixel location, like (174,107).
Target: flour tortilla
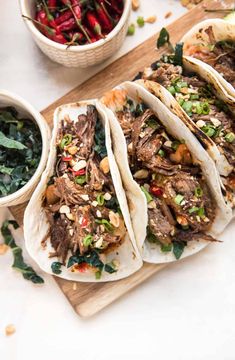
(138,204)
(223,31)
(36,225)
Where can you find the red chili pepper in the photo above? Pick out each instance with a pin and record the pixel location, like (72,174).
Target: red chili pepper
(104,19)
(77,8)
(81,267)
(94,23)
(155,190)
(77,15)
(66,158)
(117,6)
(77,173)
(41,16)
(52,4)
(84,222)
(67,25)
(65,16)
(48,31)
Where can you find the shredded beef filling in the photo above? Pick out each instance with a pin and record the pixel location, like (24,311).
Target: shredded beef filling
(208,112)
(180,205)
(80,201)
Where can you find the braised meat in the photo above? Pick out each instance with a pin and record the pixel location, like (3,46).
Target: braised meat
(81,225)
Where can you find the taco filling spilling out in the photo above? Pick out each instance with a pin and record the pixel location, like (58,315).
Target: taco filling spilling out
(220,55)
(197,99)
(80,201)
(180,205)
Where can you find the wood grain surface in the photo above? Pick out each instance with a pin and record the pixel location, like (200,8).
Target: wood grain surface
(89,298)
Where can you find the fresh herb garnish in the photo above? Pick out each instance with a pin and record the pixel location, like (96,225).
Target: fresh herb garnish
(18,264)
(166,247)
(178,56)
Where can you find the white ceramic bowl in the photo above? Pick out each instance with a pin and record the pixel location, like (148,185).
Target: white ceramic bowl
(25,109)
(83,55)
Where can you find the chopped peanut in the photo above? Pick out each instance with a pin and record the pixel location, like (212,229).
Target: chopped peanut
(182,220)
(104,165)
(3,249)
(135,5)
(168,14)
(9,330)
(72,150)
(114,219)
(151,19)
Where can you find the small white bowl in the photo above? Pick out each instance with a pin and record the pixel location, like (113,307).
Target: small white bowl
(80,55)
(26,110)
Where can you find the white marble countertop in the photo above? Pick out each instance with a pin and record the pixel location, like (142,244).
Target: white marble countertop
(186,312)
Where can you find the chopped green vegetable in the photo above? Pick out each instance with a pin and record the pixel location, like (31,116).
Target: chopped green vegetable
(56,267)
(198,192)
(147,194)
(81,179)
(100,199)
(209,130)
(194,97)
(67,139)
(152,123)
(175,144)
(161,153)
(106,224)
(178,199)
(178,248)
(205,108)
(193,209)
(171,89)
(187,106)
(98,275)
(87,241)
(230,137)
(180,101)
(166,248)
(18,264)
(140,21)
(131,30)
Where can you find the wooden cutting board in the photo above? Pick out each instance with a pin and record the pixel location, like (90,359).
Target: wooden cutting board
(89,298)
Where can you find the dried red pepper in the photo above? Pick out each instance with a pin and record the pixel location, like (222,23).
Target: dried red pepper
(94,23)
(65,16)
(104,19)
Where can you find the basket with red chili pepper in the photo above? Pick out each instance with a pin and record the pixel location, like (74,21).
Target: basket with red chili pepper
(77,22)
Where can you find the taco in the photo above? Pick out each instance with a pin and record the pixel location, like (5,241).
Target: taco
(213,42)
(77,223)
(194,94)
(179,207)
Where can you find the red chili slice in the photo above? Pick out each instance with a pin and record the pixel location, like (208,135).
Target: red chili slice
(84,222)
(156,191)
(67,158)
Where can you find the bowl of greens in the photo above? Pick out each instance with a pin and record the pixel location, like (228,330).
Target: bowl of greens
(24,147)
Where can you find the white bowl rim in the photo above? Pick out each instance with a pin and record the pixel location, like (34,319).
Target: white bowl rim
(77,48)
(44,131)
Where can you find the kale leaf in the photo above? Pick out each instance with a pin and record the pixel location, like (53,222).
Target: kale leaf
(100,146)
(178,248)
(20,150)
(18,264)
